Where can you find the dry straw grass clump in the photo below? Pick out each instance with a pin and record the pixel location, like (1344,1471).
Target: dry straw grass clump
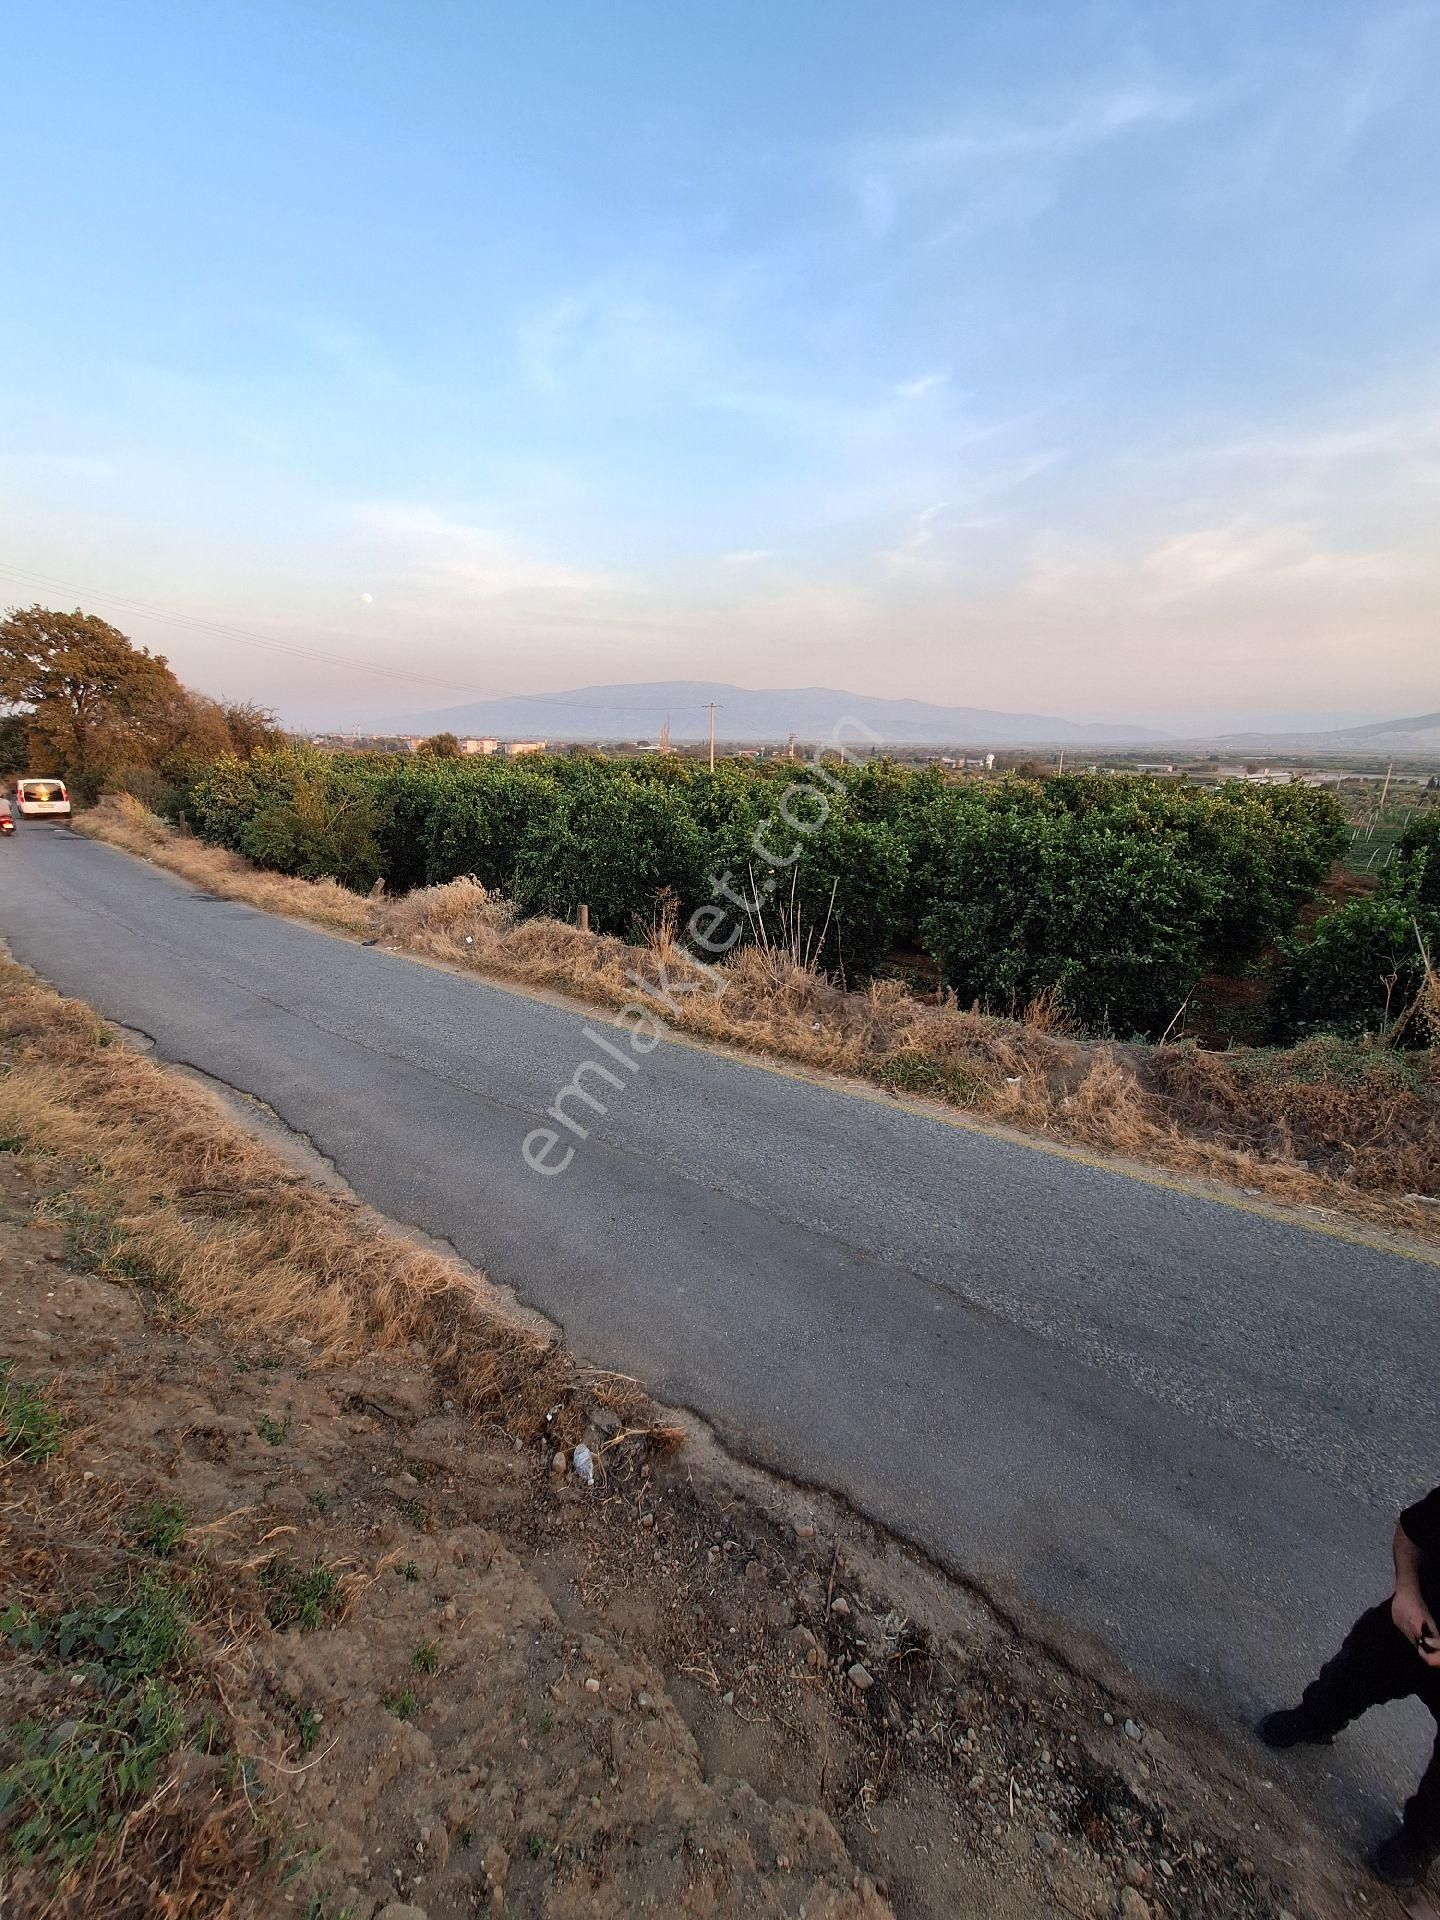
(1347,1126)
(162,1188)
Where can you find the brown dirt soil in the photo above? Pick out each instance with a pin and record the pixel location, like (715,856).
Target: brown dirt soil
(512,1693)
(1349,1128)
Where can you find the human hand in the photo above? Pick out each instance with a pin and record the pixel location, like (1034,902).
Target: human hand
(1413,1619)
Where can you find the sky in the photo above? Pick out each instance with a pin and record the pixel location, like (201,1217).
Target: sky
(1072,358)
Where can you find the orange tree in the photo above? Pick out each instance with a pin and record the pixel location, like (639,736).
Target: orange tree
(1366,966)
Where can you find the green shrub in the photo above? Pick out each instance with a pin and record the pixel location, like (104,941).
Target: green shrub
(1362,967)
(1413,875)
(1358,971)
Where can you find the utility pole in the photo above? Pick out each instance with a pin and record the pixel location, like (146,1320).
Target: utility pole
(712,707)
(1385,791)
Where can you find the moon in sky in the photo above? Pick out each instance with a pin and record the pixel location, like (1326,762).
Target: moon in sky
(367,599)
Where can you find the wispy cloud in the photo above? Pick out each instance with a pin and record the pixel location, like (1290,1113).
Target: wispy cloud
(1238,563)
(340,348)
(1415,432)
(624,327)
(917,389)
(1211,559)
(456,566)
(1303,112)
(984,166)
(30,468)
(915,548)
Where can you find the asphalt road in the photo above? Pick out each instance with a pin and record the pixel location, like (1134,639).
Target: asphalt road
(1174,1424)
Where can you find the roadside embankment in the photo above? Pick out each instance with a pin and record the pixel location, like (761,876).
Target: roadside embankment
(311,1605)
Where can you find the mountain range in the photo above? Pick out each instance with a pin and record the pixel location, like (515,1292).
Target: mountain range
(757,715)
(1420,734)
(638,712)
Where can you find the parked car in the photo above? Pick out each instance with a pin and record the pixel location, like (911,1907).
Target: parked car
(41,796)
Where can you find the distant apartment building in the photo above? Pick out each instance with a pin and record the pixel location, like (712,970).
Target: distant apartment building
(479,746)
(514,748)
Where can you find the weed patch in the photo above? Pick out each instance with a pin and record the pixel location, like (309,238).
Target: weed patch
(159,1528)
(139,1637)
(296,1596)
(71,1786)
(30,1428)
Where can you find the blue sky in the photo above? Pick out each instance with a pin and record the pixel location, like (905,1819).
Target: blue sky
(1065,357)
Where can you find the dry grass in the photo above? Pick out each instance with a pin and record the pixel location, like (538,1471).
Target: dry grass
(1353,1128)
(168,1192)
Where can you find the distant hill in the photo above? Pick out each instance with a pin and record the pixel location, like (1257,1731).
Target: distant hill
(811,713)
(1418,735)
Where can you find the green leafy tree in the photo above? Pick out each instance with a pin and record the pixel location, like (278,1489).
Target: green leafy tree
(1357,973)
(251,729)
(1413,875)
(13,743)
(94,699)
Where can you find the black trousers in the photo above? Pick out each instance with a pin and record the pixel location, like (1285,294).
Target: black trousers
(1378,1663)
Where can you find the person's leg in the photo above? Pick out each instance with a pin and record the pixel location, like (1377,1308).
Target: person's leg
(1406,1857)
(1374,1663)
(1422,1809)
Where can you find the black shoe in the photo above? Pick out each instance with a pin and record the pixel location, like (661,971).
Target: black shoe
(1291,1727)
(1399,1862)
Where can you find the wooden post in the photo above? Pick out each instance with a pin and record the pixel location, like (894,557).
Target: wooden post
(582,917)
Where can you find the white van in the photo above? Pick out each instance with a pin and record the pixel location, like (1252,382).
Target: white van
(41,796)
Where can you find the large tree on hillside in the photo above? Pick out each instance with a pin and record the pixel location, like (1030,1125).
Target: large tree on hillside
(94,699)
